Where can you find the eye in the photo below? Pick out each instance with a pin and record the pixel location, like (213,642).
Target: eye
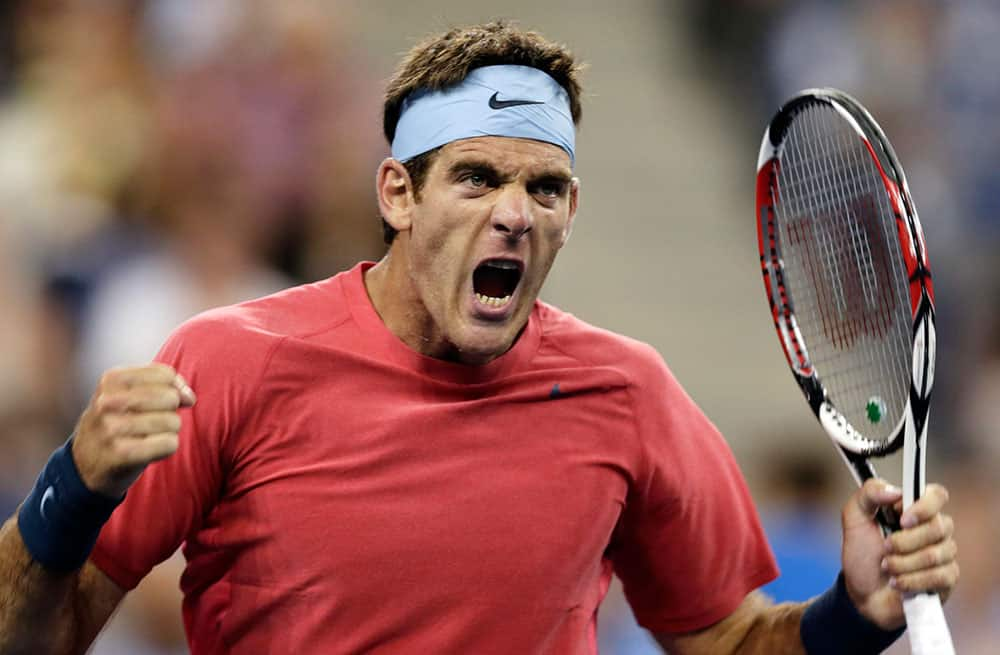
(476,180)
(550,189)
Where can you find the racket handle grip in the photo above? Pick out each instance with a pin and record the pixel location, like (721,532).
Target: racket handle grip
(925,625)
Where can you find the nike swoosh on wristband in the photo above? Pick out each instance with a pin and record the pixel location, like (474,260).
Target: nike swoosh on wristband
(503,104)
(49,495)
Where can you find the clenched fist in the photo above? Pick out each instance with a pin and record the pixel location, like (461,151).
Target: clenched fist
(131,421)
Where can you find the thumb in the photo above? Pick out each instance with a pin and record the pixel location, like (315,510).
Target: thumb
(867,500)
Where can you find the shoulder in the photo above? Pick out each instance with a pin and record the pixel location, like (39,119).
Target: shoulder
(246,331)
(637,361)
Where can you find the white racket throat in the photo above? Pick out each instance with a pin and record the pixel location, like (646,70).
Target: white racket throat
(844,435)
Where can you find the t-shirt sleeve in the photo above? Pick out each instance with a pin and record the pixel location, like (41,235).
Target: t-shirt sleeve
(172,497)
(689,546)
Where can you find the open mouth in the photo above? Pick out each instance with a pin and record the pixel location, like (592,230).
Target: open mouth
(495,280)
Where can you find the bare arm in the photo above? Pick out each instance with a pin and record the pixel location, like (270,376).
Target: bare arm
(920,557)
(756,627)
(42,612)
(131,421)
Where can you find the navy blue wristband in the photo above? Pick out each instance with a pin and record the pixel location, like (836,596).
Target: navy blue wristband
(61,518)
(831,625)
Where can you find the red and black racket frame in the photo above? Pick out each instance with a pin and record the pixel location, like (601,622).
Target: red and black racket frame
(921,289)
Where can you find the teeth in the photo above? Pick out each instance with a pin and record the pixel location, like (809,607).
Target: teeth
(491,301)
(510,266)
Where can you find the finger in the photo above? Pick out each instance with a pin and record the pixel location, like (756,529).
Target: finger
(188,399)
(940,579)
(923,509)
(142,424)
(924,559)
(139,452)
(133,376)
(867,500)
(910,540)
(138,399)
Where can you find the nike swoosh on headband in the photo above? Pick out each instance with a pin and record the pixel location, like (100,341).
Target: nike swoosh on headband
(432,118)
(502,104)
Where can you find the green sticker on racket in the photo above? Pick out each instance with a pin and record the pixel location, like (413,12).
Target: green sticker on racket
(875,409)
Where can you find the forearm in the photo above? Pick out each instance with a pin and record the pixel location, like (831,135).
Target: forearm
(774,630)
(828,624)
(52,599)
(36,606)
(757,627)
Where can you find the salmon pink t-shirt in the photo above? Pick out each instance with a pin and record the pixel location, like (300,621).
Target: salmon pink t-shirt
(337,492)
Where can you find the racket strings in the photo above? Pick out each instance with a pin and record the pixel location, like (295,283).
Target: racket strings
(843,269)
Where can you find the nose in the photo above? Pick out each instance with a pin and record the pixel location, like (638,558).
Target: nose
(512,214)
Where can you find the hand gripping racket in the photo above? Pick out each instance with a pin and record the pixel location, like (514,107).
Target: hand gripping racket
(846,274)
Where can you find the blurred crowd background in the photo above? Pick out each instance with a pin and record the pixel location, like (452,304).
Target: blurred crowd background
(159,157)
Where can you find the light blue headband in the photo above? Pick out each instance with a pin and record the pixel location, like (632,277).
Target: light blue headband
(515,101)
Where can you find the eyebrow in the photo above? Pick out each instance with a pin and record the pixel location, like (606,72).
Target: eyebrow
(477,165)
(488,168)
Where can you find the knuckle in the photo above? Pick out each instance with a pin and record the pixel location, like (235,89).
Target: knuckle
(103,402)
(120,450)
(165,445)
(940,491)
(940,526)
(107,424)
(872,486)
(163,371)
(171,398)
(116,426)
(950,551)
(109,377)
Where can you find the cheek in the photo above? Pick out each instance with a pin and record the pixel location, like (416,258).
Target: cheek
(554,235)
(438,248)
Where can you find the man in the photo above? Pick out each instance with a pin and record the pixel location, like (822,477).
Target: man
(417,456)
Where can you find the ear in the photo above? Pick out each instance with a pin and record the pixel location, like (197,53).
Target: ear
(574,202)
(395,193)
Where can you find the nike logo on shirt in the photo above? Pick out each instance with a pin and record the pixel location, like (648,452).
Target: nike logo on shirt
(503,104)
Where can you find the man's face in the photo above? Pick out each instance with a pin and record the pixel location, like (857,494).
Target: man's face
(494,211)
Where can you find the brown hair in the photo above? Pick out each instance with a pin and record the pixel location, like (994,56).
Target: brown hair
(444,60)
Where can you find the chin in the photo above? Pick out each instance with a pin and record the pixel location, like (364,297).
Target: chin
(481,348)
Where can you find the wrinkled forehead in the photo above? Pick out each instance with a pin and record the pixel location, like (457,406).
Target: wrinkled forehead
(503,101)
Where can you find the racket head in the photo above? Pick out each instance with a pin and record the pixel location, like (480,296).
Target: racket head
(845,270)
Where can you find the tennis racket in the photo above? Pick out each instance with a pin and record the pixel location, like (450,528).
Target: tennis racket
(846,275)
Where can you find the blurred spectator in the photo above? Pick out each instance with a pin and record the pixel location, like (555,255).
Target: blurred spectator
(8,52)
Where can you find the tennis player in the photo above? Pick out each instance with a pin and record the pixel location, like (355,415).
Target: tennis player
(419,456)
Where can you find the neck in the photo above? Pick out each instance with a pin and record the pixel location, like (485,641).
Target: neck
(401,309)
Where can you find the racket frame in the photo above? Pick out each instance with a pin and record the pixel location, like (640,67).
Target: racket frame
(929,632)
(853,445)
